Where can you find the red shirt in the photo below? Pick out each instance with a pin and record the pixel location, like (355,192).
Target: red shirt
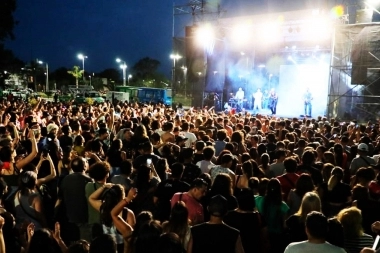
(288,182)
(194,208)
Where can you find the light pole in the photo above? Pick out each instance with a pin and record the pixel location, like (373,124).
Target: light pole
(174,57)
(82,57)
(124,67)
(47,75)
(185,79)
(129,77)
(90,79)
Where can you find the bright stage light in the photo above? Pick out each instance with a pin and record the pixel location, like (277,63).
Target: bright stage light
(319,29)
(269,32)
(205,35)
(241,33)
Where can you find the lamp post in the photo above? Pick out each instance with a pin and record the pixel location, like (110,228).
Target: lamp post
(82,57)
(90,79)
(47,74)
(124,67)
(174,57)
(129,77)
(185,79)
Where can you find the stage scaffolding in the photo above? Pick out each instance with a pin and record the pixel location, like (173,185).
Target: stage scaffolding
(354,91)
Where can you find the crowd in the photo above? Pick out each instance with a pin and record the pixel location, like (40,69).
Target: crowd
(136,178)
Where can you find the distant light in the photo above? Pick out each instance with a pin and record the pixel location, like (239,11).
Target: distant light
(40,62)
(294,47)
(261,66)
(129,76)
(242,53)
(118,60)
(81,56)
(175,56)
(290,58)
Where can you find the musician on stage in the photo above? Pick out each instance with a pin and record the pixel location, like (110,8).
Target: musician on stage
(240,97)
(307,97)
(258,96)
(273,99)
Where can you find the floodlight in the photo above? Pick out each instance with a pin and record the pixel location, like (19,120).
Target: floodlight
(205,35)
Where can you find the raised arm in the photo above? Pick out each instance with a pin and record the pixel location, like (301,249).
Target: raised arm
(94,198)
(121,225)
(20,164)
(52,174)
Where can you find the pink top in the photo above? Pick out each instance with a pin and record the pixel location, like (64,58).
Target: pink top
(194,208)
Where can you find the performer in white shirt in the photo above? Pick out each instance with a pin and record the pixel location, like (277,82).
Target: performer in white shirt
(258,96)
(240,97)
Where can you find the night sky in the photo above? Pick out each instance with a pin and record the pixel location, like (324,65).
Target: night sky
(56,31)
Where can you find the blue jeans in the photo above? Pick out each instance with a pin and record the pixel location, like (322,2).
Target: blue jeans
(308,109)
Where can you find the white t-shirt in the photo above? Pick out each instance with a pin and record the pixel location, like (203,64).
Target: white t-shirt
(205,166)
(191,138)
(305,246)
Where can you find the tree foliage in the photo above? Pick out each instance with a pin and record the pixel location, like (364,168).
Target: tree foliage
(146,68)
(7,21)
(77,73)
(111,74)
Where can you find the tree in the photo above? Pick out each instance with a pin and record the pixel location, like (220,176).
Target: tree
(7,22)
(77,73)
(145,68)
(111,74)
(61,77)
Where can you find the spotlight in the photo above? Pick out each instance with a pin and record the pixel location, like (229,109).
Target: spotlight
(205,35)
(241,33)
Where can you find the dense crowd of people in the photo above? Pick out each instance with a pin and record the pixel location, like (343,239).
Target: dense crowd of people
(136,178)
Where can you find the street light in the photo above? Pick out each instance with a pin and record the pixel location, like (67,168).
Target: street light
(90,79)
(47,74)
(185,79)
(124,67)
(82,57)
(174,57)
(129,77)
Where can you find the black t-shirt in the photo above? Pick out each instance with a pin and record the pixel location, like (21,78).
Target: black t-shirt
(165,191)
(190,173)
(72,191)
(338,194)
(114,158)
(315,174)
(65,141)
(249,225)
(214,238)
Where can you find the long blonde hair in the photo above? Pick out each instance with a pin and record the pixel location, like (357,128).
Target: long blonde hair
(351,220)
(310,202)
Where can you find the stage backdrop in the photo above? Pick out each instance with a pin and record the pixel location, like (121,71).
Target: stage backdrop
(294,80)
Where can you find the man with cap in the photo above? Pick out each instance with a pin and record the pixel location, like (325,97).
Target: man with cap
(181,141)
(363,160)
(215,235)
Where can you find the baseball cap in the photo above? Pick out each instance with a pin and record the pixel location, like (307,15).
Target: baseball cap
(363,147)
(180,138)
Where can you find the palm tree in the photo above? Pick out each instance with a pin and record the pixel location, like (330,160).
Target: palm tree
(76,73)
